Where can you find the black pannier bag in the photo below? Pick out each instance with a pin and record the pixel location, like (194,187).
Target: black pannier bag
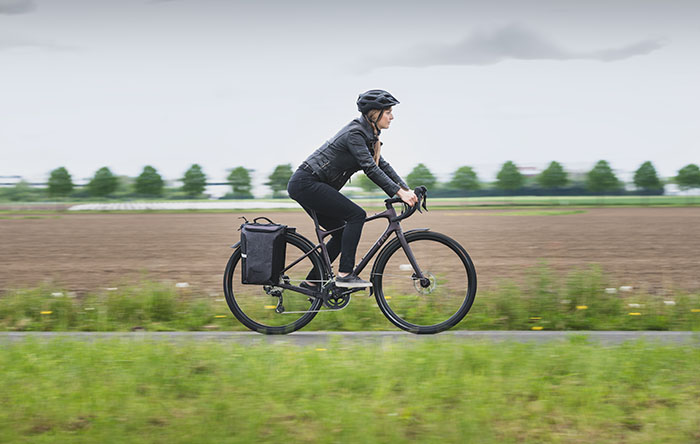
(263,248)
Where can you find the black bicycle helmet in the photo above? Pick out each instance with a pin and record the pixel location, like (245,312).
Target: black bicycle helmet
(375,99)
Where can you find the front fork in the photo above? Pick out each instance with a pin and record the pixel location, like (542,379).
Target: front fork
(417,272)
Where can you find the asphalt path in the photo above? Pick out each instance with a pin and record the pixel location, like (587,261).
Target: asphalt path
(317,338)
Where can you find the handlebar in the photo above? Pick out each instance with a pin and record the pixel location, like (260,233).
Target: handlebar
(421,193)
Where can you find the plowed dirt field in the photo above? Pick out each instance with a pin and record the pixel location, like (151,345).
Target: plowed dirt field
(655,249)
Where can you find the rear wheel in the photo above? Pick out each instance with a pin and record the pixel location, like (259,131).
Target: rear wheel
(276,311)
(431,306)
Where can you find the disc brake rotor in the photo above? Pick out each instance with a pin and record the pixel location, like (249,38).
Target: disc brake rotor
(430,288)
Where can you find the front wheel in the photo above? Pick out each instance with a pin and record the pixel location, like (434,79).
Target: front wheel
(431,306)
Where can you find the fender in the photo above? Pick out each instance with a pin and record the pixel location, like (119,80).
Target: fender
(236,244)
(416,230)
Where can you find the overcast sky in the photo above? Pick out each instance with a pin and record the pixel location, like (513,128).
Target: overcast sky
(89,83)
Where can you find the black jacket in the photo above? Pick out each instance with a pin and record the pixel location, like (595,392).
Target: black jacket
(351,150)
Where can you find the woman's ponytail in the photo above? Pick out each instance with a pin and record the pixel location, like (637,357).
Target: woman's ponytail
(373,116)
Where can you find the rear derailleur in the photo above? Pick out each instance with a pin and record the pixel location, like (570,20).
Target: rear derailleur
(275,292)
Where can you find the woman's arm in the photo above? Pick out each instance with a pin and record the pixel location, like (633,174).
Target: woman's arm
(389,171)
(406,194)
(358,148)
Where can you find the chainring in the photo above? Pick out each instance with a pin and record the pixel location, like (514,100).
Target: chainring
(337,299)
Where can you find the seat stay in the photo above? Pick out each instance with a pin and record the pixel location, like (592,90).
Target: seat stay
(299,259)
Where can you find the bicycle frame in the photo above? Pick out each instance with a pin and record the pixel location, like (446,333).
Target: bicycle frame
(394,227)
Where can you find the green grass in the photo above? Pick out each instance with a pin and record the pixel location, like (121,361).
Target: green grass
(576,200)
(581,300)
(455,203)
(135,391)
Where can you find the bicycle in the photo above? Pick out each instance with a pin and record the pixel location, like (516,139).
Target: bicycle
(428,277)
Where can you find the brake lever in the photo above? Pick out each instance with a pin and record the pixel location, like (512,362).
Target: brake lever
(424,198)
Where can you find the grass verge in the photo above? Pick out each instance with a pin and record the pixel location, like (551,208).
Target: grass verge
(585,299)
(426,391)
(376,204)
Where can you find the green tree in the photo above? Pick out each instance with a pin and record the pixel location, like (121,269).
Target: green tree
(103,183)
(602,178)
(21,192)
(240,182)
(149,182)
(194,181)
(645,178)
(421,175)
(60,182)
(553,176)
(279,179)
(364,182)
(465,178)
(688,177)
(509,178)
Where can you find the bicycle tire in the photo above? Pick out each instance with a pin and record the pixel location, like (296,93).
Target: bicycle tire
(253,307)
(451,293)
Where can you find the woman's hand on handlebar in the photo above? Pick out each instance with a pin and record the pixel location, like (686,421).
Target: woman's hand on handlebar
(408,196)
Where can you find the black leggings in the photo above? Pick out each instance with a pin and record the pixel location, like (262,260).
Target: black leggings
(332,210)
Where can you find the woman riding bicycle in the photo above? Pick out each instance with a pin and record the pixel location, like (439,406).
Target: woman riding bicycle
(316,183)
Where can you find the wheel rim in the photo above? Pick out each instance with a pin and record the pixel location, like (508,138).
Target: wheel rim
(257,309)
(445,298)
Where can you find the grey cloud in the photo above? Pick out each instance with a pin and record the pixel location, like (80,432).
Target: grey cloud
(16,6)
(509,42)
(640,48)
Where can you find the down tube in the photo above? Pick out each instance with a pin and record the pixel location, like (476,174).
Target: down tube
(393,227)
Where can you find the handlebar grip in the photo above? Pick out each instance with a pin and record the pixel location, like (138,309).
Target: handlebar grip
(407,211)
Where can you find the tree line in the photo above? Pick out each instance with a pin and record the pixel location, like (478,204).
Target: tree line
(601,179)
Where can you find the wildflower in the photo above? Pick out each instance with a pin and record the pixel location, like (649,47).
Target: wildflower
(47,312)
(626,288)
(611,290)
(182,285)
(582,307)
(670,302)
(635,314)
(57,294)
(537,328)
(634,305)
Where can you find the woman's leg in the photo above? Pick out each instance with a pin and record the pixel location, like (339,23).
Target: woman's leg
(333,246)
(330,203)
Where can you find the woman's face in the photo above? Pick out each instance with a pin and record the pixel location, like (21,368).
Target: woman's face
(386,119)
